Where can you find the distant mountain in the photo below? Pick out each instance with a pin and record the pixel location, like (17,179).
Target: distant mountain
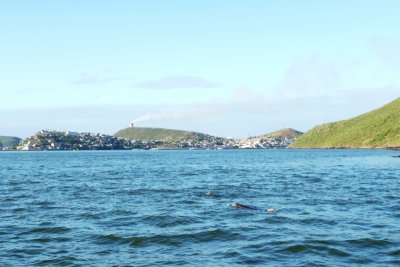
(287,132)
(9,141)
(379,128)
(166,135)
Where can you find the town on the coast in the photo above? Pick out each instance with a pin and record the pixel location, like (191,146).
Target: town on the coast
(377,129)
(66,140)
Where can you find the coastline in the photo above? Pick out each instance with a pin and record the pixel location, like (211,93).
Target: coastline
(347,148)
(198,149)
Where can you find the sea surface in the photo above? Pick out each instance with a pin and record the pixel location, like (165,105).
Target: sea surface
(151,208)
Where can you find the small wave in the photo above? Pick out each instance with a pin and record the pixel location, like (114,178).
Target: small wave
(48,230)
(44,240)
(16,198)
(309,248)
(60,261)
(395,252)
(43,203)
(294,249)
(169,240)
(189,174)
(148,191)
(22,252)
(168,221)
(19,209)
(367,242)
(90,215)
(317,221)
(331,251)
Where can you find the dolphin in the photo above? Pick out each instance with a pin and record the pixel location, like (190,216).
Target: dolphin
(237,205)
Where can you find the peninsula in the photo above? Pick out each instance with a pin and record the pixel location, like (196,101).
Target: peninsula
(152,138)
(379,128)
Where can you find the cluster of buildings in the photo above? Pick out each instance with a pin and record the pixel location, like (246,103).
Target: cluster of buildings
(202,142)
(56,140)
(265,142)
(262,142)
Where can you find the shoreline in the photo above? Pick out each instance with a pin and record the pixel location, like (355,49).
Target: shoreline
(202,149)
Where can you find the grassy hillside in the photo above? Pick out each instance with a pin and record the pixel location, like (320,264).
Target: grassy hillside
(379,128)
(167,135)
(9,141)
(287,132)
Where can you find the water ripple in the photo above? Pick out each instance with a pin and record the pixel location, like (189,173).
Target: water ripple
(167,240)
(151,208)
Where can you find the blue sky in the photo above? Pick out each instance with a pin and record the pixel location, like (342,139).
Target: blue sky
(228,68)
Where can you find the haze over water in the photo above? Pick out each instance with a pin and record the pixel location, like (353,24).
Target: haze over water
(150,208)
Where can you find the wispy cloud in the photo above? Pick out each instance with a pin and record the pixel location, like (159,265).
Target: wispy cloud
(176,82)
(91,80)
(309,76)
(182,113)
(162,115)
(242,100)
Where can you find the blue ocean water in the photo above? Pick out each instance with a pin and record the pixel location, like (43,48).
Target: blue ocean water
(150,208)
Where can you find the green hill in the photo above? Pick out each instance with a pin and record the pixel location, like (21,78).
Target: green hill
(287,132)
(9,141)
(166,135)
(379,128)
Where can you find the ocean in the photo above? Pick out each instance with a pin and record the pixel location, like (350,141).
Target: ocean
(153,208)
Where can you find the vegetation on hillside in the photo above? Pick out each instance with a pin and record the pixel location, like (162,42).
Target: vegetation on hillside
(379,128)
(186,139)
(287,132)
(9,141)
(166,135)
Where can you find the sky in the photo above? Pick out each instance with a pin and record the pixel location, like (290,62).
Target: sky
(224,67)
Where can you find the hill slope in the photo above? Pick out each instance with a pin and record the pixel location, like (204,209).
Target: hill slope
(166,135)
(379,128)
(9,141)
(287,132)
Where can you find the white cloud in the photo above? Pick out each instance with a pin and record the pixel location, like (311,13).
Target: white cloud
(91,80)
(176,82)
